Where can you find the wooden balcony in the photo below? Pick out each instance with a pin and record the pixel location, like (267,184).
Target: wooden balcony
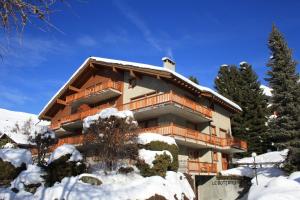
(195,166)
(170,97)
(113,88)
(139,104)
(176,130)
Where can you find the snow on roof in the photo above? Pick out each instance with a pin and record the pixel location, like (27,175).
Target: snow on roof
(64,150)
(274,156)
(16,156)
(138,65)
(146,138)
(266,90)
(10,119)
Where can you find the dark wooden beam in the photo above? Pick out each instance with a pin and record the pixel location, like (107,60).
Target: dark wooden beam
(62,102)
(47,117)
(74,89)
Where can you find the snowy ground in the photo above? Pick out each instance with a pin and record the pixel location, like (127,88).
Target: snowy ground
(115,186)
(273,183)
(9,120)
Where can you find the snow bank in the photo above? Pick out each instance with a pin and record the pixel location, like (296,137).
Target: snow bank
(249,172)
(275,156)
(64,150)
(149,156)
(119,187)
(32,175)
(295,176)
(278,188)
(16,156)
(145,138)
(106,113)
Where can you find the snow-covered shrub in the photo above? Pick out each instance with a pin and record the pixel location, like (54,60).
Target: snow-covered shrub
(158,167)
(114,136)
(160,146)
(43,138)
(12,162)
(29,179)
(65,161)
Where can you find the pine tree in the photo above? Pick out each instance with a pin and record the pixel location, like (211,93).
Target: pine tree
(194,79)
(227,83)
(242,86)
(254,105)
(284,130)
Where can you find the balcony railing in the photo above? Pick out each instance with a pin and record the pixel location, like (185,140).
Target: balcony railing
(176,130)
(93,90)
(138,104)
(195,166)
(165,98)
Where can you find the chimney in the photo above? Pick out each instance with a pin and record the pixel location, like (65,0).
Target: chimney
(168,63)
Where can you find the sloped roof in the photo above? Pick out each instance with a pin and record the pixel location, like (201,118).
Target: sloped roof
(137,66)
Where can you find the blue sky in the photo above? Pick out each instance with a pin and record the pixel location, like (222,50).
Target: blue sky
(199,35)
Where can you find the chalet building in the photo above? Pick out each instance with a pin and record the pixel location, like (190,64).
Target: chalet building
(163,102)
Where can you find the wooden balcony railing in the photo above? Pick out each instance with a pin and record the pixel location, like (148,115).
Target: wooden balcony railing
(93,90)
(176,130)
(137,104)
(164,98)
(195,166)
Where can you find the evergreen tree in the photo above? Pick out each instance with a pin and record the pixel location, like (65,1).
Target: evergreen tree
(284,130)
(254,105)
(227,83)
(242,86)
(194,79)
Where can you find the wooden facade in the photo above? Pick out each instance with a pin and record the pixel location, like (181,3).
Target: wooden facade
(101,85)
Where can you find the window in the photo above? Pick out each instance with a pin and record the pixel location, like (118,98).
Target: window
(191,125)
(132,82)
(148,123)
(215,156)
(223,133)
(144,95)
(213,130)
(193,155)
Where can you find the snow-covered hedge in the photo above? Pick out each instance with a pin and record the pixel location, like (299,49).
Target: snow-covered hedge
(64,150)
(107,113)
(16,156)
(146,138)
(29,179)
(65,161)
(157,142)
(12,162)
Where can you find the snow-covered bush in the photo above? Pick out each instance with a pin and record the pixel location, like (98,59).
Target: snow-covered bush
(114,136)
(160,146)
(157,142)
(154,163)
(65,161)
(12,162)
(43,138)
(29,179)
